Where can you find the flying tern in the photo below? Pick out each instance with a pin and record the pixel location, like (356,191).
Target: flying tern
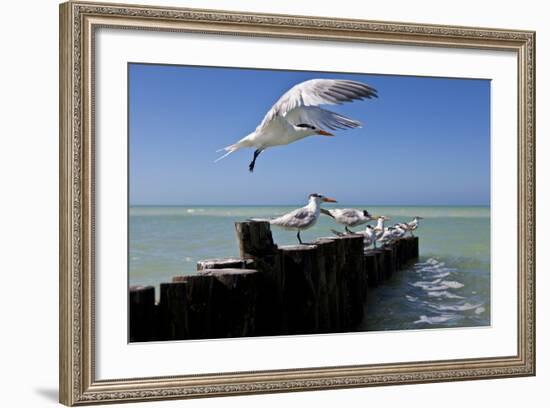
(297,115)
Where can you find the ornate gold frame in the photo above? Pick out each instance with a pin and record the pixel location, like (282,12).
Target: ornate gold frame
(78,21)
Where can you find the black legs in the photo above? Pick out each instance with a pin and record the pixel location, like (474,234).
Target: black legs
(253,162)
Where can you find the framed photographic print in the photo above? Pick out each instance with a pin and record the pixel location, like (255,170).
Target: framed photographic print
(261,203)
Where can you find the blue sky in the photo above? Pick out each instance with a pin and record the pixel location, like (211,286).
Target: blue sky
(424,141)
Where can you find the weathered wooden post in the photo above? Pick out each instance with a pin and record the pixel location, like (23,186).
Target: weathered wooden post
(389,261)
(352,280)
(142,313)
(328,286)
(402,252)
(213,303)
(371,268)
(356,277)
(173,312)
(416,249)
(225,263)
(219,263)
(186,305)
(380,265)
(255,239)
(301,268)
(256,244)
(233,301)
(337,284)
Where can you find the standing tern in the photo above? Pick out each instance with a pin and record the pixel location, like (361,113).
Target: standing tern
(297,114)
(399,231)
(380,223)
(370,236)
(387,236)
(349,217)
(412,225)
(301,218)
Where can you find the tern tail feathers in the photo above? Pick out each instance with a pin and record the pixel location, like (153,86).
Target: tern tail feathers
(327,212)
(244,142)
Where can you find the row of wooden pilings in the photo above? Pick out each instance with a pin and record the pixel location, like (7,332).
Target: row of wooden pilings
(320,287)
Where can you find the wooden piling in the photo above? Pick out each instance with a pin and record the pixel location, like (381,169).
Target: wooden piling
(268,290)
(329,304)
(379,272)
(187,307)
(225,263)
(256,244)
(415,248)
(389,261)
(174,311)
(142,325)
(354,288)
(255,239)
(212,303)
(371,269)
(233,301)
(301,267)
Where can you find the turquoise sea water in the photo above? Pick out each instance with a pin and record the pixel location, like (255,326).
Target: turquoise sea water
(448,287)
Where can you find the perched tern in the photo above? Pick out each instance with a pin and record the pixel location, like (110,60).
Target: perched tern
(349,217)
(380,223)
(399,231)
(387,236)
(370,236)
(412,225)
(301,218)
(297,115)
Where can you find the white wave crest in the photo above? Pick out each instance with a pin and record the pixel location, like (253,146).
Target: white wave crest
(453,284)
(444,294)
(479,310)
(436,319)
(442,275)
(456,308)
(437,284)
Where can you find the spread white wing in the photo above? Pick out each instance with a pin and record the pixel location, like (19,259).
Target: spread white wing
(300,103)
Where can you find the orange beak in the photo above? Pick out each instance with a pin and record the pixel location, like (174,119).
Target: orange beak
(329,200)
(322,132)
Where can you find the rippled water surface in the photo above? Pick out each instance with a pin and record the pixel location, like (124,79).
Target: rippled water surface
(448,287)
